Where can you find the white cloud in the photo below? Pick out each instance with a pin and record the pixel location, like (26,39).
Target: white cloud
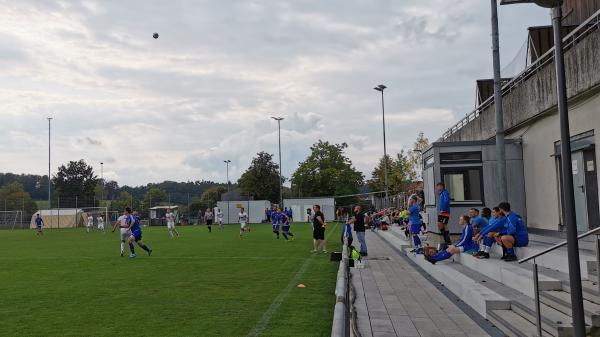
(176,107)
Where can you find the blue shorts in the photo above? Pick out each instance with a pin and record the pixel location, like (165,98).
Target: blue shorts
(521,240)
(137,235)
(275,227)
(415,228)
(285,228)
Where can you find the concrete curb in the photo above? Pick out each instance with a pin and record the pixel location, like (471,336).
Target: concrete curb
(339,326)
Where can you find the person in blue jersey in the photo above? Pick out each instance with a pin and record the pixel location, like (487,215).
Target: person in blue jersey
(464,244)
(486,235)
(275,222)
(135,227)
(414,219)
(443,212)
(39,223)
(290,214)
(513,234)
(284,221)
(477,221)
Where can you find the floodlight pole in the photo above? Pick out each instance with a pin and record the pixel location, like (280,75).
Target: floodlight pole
(49,179)
(568,195)
(500,146)
(567,177)
(102,178)
(381,88)
(228,192)
(279,119)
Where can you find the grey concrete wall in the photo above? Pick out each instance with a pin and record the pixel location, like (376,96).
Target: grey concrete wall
(537,94)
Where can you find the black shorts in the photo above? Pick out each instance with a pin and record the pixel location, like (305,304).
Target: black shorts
(443,219)
(209,222)
(319,233)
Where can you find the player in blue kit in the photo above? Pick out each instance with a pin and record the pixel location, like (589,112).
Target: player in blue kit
(38,225)
(136,233)
(284,220)
(464,244)
(275,222)
(487,235)
(444,212)
(414,220)
(514,232)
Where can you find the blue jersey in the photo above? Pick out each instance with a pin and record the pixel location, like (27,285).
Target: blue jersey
(414,218)
(444,205)
(134,223)
(275,221)
(466,238)
(492,226)
(39,221)
(479,222)
(284,220)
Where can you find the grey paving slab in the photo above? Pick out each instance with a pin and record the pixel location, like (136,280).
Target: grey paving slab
(394,299)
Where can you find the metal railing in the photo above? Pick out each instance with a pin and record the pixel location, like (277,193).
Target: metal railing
(589,25)
(536,290)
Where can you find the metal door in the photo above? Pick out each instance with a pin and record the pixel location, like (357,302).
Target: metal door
(578,169)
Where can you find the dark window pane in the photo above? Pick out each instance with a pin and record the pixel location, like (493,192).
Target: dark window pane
(460,158)
(464,184)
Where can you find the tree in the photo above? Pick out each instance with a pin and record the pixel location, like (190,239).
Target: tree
(155,196)
(213,194)
(416,156)
(124,200)
(261,179)
(14,198)
(76,179)
(326,172)
(401,172)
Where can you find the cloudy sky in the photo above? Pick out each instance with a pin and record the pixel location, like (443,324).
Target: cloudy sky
(176,107)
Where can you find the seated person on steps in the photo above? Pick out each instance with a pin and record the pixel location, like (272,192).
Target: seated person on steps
(510,232)
(465,243)
(487,235)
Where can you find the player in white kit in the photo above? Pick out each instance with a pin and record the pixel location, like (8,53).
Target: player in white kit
(219,214)
(170,216)
(124,229)
(90,223)
(243,219)
(100,221)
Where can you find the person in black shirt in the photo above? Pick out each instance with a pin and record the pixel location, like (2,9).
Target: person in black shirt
(319,230)
(359,228)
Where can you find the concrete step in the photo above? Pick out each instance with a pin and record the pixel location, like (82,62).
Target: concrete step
(513,325)
(480,298)
(556,260)
(561,301)
(554,322)
(518,277)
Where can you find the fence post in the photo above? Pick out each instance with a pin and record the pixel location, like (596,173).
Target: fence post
(76,211)
(58,212)
(22,210)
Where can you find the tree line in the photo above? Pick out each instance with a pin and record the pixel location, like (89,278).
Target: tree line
(327,171)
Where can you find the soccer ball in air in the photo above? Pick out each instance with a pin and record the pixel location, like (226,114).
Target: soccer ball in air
(155,35)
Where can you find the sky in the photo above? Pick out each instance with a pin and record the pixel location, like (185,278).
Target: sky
(174,108)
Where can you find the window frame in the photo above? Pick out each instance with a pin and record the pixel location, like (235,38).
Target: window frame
(462,170)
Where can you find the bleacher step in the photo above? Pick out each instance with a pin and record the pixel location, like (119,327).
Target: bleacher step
(513,325)
(561,300)
(553,321)
(518,277)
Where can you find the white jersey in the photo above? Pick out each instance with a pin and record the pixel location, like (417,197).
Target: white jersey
(220,215)
(124,228)
(100,222)
(90,222)
(243,217)
(123,221)
(170,217)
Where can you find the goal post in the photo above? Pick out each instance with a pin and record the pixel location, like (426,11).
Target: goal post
(9,219)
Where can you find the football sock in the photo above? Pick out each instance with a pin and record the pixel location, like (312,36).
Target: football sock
(510,251)
(416,240)
(441,256)
(487,249)
(131,248)
(446,235)
(488,242)
(146,248)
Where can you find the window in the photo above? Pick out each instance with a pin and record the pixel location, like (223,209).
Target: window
(460,158)
(464,184)
(429,162)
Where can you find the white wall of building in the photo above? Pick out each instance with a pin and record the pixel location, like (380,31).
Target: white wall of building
(254,208)
(299,207)
(541,180)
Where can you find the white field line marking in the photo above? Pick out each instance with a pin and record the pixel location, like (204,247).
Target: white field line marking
(261,325)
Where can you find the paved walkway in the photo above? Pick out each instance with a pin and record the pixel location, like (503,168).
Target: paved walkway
(394,299)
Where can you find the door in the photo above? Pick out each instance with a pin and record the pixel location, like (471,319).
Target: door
(578,167)
(591,188)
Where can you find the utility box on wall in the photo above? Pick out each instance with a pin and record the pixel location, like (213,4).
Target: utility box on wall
(469,170)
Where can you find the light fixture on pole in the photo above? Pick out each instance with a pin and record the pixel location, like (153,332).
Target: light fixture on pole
(381,88)
(279,119)
(228,192)
(568,198)
(49,172)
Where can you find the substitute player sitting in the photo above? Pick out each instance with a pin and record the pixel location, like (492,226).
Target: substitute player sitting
(465,244)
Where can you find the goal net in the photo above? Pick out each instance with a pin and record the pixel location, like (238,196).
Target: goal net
(10,219)
(92,216)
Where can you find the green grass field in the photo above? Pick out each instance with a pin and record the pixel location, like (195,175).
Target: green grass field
(73,283)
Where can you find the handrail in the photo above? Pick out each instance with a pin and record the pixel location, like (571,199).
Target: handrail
(569,40)
(556,246)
